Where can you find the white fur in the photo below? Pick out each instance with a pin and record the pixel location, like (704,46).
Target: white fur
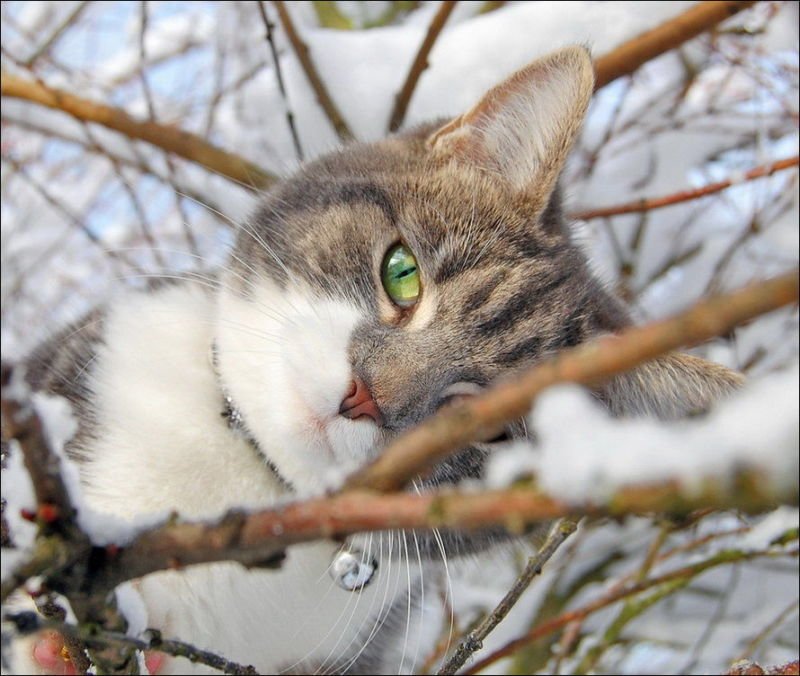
(164,446)
(283,357)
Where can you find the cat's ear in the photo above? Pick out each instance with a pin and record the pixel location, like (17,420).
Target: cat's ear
(669,387)
(523,128)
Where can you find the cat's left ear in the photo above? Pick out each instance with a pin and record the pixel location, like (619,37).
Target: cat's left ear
(523,128)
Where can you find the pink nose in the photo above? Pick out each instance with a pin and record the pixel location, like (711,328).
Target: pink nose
(358,402)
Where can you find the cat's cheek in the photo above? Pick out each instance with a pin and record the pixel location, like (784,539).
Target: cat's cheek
(354,442)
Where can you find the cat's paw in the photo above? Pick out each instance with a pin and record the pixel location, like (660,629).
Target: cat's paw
(52,657)
(50,654)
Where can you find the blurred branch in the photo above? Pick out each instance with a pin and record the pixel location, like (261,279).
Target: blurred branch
(191,242)
(304,57)
(268,26)
(57,32)
(757,640)
(748,668)
(419,64)
(632,54)
(673,580)
(42,191)
(329,15)
(171,139)
(648,204)
(559,532)
(60,544)
(28,623)
(20,422)
(482,417)
(91,144)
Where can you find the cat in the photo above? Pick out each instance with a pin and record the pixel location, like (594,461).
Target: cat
(366,292)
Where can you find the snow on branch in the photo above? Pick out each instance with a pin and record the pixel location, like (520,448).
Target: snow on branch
(259,539)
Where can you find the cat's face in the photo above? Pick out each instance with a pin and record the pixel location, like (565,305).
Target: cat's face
(398,275)
(382,281)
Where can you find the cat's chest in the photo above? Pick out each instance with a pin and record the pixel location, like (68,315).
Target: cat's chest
(159,440)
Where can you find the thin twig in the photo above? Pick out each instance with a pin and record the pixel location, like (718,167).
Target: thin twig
(419,64)
(172,139)
(651,203)
(304,57)
(482,417)
(632,54)
(268,26)
(57,32)
(191,242)
(115,256)
(28,623)
(680,574)
(559,532)
(91,144)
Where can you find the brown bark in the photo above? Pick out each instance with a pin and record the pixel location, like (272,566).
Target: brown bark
(304,57)
(648,204)
(172,139)
(419,64)
(632,54)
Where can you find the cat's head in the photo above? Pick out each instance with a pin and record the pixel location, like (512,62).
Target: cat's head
(385,279)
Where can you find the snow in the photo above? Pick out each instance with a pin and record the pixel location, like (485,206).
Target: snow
(642,138)
(584,454)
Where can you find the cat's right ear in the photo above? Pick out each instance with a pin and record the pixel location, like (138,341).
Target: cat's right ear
(524,128)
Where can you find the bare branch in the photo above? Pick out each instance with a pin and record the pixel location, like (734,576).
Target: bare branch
(304,57)
(259,539)
(419,64)
(21,423)
(57,32)
(268,26)
(482,417)
(679,577)
(648,204)
(559,532)
(632,54)
(182,143)
(116,256)
(28,623)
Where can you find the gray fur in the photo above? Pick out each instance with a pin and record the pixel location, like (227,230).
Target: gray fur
(510,285)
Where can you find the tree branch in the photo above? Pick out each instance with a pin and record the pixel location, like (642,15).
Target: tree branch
(632,54)
(482,417)
(29,623)
(72,16)
(171,139)
(559,532)
(649,204)
(21,423)
(678,576)
(268,34)
(259,539)
(419,64)
(304,57)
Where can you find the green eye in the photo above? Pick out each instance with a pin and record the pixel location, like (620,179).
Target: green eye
(400,276)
